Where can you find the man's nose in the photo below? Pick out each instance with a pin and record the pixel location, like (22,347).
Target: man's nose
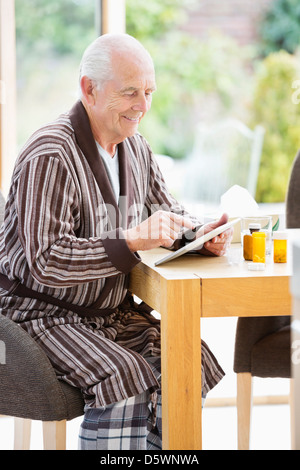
(142,104)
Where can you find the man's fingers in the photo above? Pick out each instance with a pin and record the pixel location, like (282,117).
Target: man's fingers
(182,221)
(212,225)
(160,229)
(171,225)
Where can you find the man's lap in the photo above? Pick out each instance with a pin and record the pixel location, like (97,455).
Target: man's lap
(104,358)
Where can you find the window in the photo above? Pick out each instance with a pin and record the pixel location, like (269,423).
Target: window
(41,44)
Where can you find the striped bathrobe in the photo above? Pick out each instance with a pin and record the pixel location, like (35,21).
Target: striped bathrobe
(62,236)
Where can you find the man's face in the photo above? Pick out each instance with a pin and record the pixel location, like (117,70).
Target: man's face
(123,101)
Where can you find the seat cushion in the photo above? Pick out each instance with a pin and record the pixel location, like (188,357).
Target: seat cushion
(29,387)
(271,356)
(74,400)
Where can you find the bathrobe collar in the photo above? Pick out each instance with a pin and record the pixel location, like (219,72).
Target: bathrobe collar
(87,144)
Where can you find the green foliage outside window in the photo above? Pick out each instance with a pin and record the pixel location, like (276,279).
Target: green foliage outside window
(280,28)
(50,39)
(196,79)
(57,27)
(275,108)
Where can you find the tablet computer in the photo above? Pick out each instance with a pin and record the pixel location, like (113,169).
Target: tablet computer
(196,243)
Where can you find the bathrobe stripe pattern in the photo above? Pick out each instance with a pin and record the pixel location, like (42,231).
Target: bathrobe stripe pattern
(62,236)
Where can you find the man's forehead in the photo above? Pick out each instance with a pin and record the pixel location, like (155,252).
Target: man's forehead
(132,74)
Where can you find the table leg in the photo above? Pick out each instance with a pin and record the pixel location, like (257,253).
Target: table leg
(181,364)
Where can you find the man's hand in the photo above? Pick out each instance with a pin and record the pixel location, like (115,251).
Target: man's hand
(218,245)
(160,229)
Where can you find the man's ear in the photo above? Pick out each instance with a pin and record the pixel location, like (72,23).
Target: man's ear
(88,90)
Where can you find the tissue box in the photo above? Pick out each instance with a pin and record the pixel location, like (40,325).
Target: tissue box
(238,202)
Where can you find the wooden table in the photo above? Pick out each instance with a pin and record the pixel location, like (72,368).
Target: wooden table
(183,291)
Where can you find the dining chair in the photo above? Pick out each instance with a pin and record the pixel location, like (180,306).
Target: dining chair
(263,344)
(30,389)
(262,349)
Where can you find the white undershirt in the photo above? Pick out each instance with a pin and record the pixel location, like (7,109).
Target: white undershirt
(112,168)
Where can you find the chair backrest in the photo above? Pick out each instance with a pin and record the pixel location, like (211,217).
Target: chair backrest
(295,291)
(249,331)
(293,196)
(225,154)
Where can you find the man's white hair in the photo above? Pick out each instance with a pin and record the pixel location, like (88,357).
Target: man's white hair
(96,62)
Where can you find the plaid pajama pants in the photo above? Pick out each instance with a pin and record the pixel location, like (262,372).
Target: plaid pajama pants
(126,425)
(131,424)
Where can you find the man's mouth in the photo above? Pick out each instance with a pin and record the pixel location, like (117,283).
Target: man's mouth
(133,119)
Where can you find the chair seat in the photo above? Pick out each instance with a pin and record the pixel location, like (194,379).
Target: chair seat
(271,356)
(29,387)
(74,401)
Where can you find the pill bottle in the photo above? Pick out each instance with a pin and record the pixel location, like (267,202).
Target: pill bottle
(248,242)
(279,247)
(259,247)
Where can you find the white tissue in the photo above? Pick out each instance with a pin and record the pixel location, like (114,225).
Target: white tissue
(238,202)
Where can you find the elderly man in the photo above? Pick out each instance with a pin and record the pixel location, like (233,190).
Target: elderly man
(86,196)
